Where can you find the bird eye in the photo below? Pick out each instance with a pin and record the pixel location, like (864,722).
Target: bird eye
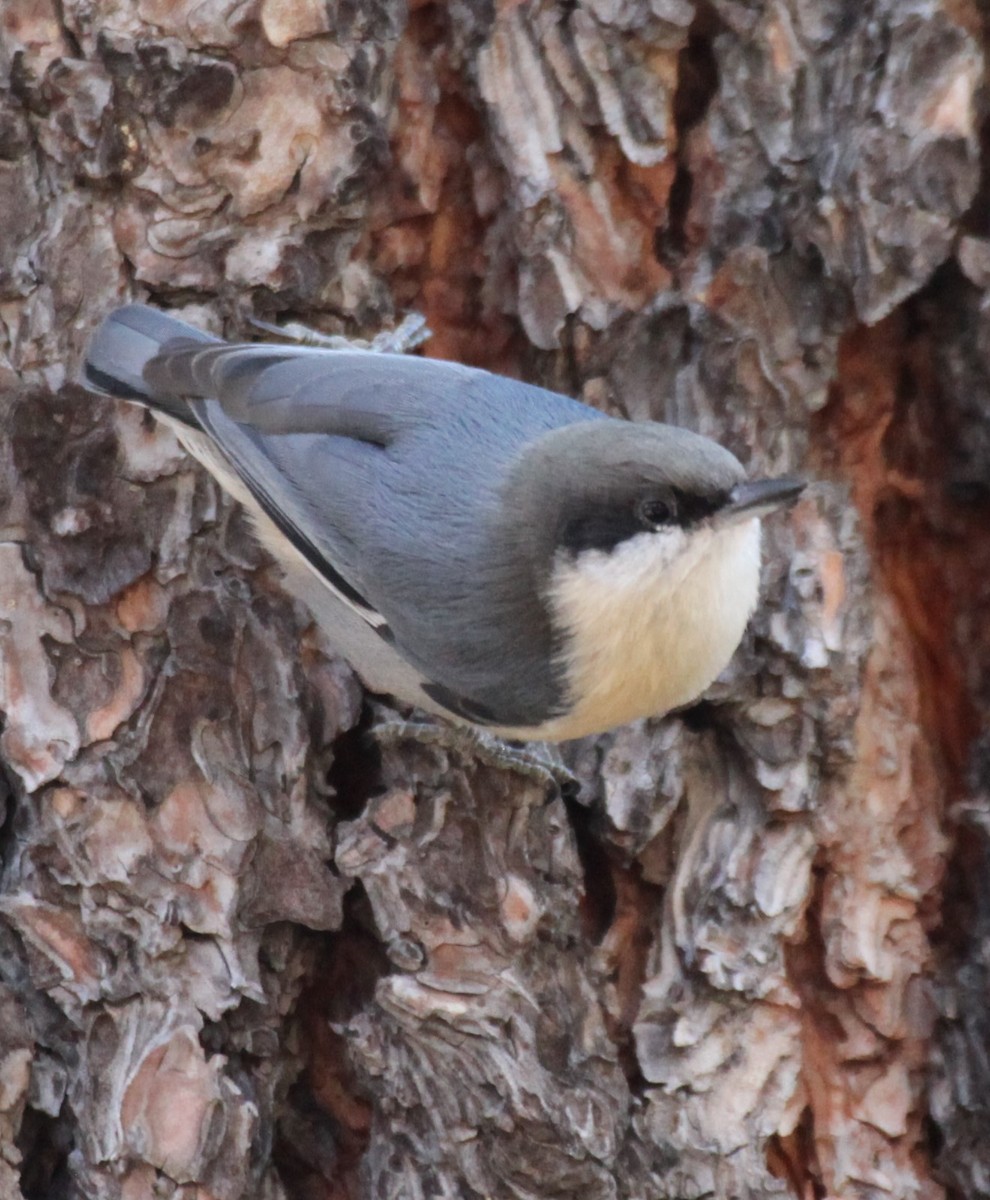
(657,511)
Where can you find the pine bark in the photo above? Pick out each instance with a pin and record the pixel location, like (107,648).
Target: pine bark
(250,950)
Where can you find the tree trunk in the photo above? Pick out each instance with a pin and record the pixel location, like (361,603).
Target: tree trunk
(249,948)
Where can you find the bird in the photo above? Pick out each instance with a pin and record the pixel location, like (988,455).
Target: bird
(483,549)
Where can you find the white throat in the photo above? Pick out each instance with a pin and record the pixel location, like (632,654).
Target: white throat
(649,625)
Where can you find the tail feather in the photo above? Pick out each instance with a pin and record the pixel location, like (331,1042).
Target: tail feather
(129,338)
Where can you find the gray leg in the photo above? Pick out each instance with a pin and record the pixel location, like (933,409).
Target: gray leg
(535,760)
(410,333)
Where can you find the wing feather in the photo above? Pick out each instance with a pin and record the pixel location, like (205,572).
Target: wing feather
(386,474)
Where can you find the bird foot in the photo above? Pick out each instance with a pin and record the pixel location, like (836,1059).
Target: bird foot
(535,760)
(408,335)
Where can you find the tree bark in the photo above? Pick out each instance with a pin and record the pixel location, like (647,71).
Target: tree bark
(252,949)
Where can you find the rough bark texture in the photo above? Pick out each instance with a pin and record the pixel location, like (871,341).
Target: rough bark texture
(245,950)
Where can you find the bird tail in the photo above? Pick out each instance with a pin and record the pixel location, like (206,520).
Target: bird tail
(129,338)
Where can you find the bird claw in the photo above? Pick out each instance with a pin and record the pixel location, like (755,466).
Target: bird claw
(411,332)
(534,760)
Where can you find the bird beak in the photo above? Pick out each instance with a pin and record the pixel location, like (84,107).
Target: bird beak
(757,497)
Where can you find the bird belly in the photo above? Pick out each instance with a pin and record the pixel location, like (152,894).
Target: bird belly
(651,624)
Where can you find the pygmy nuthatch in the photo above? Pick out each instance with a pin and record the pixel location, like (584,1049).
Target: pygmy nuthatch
(483,549)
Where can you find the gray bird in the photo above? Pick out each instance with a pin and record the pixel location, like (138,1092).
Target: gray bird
(483,549)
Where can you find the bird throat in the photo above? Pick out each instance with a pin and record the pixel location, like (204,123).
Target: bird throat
(649,625)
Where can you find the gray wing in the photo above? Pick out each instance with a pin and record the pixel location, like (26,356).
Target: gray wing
(287,390)
(385,471)
(354,447)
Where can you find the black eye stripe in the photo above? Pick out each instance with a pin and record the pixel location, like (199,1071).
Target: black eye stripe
(599,530)
(605,527)
(692,508)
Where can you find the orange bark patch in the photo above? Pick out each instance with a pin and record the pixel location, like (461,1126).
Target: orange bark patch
(430,218)
(866,1023)
(927,552)
(103,721)
(143,606)
(613,217)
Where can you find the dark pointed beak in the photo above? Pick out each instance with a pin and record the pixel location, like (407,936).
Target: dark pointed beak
(757,497)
